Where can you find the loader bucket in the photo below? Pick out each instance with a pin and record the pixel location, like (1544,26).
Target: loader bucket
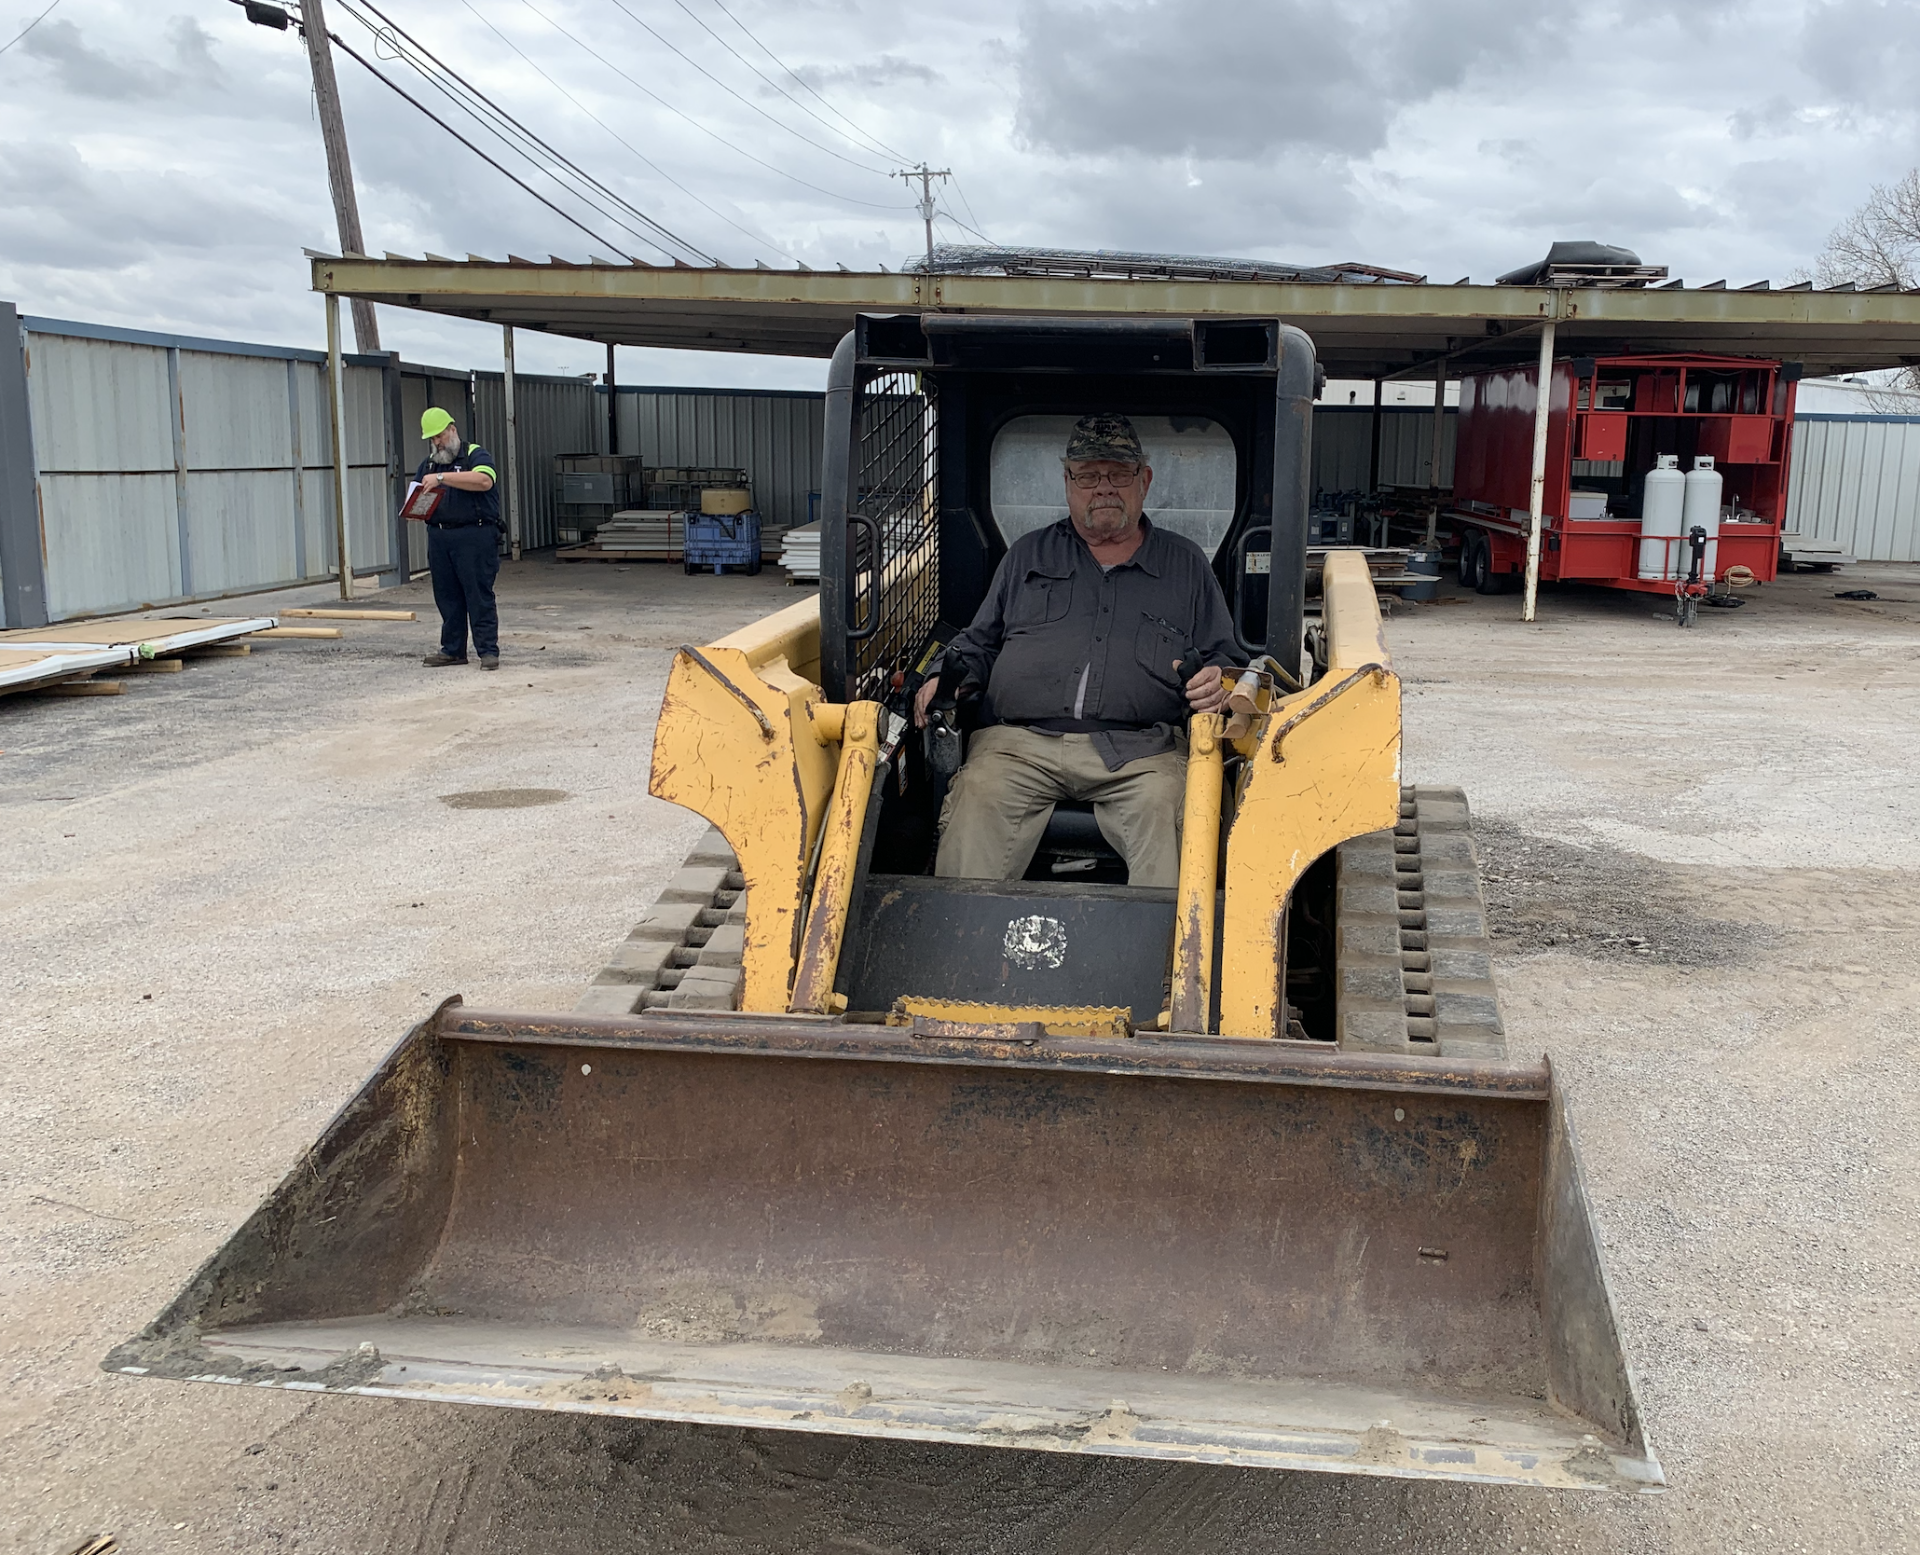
(1258,1253)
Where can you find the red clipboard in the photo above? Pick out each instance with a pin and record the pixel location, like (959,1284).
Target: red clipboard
(421,502)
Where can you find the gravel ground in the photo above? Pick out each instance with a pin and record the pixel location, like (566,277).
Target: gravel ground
(227,892)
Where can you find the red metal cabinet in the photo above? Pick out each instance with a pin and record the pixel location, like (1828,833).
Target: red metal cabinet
(1737,439)
(1603,435)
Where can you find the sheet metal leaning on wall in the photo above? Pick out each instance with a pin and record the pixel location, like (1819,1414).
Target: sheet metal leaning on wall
(172,469)
(775,435)
(1856,480)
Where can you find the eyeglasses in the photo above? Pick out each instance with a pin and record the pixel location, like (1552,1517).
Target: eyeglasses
(1092,480)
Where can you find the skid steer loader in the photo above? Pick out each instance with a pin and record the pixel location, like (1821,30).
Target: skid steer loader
(1237,1172)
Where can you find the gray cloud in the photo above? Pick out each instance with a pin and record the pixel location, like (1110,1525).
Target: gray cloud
(1864,51)
(88,72)
(1246,77)
(885,71)
(164,171)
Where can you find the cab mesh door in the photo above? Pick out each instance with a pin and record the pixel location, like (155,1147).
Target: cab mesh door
(891,588)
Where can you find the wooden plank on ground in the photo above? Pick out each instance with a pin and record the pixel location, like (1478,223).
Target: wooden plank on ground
(80,688)
(155,667)
(299,631)
(352,615)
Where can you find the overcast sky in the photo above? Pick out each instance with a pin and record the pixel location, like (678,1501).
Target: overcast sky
(161,166)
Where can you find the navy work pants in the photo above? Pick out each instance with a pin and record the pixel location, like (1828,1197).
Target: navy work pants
(464,563)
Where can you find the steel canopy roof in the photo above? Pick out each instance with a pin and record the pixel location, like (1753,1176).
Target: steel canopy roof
(1362,331)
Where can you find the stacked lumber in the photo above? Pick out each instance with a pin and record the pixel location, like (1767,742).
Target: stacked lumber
(634,535)
(800,554)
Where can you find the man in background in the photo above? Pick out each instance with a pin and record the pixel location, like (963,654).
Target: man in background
(463,542)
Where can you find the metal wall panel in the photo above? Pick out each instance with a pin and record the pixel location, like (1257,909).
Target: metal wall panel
(240,529)
(774,436)
(552,416)
(167,466)
(1343,446)
(1856,481)
(98,405)
(112,542)
(235,412)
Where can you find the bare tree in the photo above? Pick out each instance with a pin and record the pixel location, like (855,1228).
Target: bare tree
(1878,245)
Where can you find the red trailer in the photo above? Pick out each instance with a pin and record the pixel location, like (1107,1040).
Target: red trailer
(1609,418)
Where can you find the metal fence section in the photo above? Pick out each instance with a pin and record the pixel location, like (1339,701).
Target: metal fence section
(774,435)
(1343,446)
(169,468)
(1855,480)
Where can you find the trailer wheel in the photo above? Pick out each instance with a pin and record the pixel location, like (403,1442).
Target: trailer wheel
(1485,579)
(1471,558)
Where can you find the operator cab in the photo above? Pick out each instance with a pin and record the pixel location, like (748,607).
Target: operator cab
(943,444)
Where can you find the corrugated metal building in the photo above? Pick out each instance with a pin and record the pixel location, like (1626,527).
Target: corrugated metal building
(146,469)
(170,468)
(1855,480)
(774,435)
(141,469)
(1343,446)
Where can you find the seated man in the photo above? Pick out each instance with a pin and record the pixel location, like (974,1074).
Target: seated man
(1077,647)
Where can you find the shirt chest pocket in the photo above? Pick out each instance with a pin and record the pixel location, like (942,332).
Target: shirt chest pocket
(1040,599)
(1160,647)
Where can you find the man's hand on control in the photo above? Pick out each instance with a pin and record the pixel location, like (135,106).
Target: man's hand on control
(1207,692)
(921,699)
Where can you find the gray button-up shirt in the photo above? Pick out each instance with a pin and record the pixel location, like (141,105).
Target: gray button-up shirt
(1063,645)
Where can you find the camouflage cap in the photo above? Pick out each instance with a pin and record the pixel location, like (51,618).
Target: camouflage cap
(1105,435)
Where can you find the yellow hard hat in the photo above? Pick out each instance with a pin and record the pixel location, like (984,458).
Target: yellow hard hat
(434,421)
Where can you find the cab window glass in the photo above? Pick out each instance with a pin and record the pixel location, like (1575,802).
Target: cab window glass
(1194,475)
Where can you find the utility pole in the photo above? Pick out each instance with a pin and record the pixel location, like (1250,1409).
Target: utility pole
(926,175)
(312,20)
(333,133)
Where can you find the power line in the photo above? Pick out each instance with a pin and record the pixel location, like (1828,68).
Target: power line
(28,28)
(504,127)
(946,214)
(401,91)
(666,42)
(721,7)
(759,238)
(699,21)
(673,108)
(515,134)
(970,216)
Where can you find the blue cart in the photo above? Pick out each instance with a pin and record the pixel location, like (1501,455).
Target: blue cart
(721,541)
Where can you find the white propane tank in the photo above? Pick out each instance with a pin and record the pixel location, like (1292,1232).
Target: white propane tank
(1702,507)
(1661,507)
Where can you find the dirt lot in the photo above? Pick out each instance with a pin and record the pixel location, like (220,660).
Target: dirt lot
(228,892)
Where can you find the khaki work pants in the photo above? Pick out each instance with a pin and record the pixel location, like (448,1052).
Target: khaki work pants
(1001,800)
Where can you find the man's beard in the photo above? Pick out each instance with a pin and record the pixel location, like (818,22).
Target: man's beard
(1108,523)
(441,454)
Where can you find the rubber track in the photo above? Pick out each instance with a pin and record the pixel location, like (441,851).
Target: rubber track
(1414,965)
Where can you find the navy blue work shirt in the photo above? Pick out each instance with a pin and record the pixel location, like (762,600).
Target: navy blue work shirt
(459,508)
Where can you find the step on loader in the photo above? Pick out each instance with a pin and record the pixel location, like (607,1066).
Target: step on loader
(1236,1172)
